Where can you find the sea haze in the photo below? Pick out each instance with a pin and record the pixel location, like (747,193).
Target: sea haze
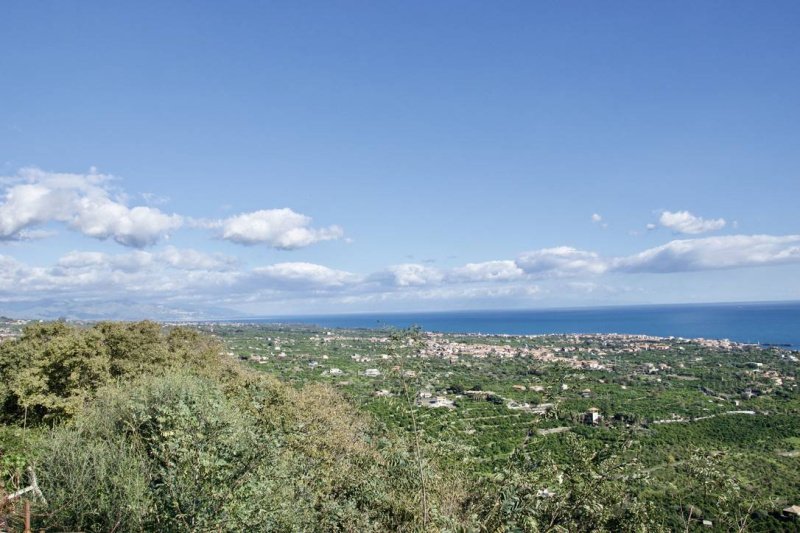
(767,323)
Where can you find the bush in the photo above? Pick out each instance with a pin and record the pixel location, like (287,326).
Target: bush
(155,431)
(92,484)
(54,369)
(186,453)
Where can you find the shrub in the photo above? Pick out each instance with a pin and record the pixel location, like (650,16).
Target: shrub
(183,452)
(54,369)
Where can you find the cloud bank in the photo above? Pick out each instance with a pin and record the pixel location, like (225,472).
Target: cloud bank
(713,253)
(561,261)
(34,202)
(193,278)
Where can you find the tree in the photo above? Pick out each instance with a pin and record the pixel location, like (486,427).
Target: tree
(52,370)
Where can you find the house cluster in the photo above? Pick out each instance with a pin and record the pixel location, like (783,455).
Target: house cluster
(437,345)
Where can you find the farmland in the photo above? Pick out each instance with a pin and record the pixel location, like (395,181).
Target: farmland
(476,399)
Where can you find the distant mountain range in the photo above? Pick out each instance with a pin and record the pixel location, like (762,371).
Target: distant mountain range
(114,310)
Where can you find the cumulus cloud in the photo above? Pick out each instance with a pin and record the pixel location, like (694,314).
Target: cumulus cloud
(686,222)
(174,281)
(88,203)
(284,229)
(561,261)
(305,274)
(410,275)
(188,259)
(711,253)
(162,275)
(81,201)
(487,271)
(99,217)
(141,262)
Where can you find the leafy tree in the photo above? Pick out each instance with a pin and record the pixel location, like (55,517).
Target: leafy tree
(135,347)
(52,370)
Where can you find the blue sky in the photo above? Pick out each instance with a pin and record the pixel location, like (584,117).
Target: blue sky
(280,158)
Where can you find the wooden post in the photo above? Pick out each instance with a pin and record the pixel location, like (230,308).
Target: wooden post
(28,517)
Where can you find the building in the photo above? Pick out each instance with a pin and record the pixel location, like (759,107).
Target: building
(592,417)
(438,402)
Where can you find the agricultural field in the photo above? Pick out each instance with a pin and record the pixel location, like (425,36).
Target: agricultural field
(685,415)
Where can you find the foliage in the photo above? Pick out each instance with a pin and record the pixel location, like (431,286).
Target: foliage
(54,368)
(597,490)
(186,453)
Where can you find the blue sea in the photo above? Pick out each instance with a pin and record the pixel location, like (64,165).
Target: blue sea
(764,323)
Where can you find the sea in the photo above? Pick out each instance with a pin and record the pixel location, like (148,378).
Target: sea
(776,323)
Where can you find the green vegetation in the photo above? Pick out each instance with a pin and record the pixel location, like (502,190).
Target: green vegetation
(159,439)
(141,427)
(666,404)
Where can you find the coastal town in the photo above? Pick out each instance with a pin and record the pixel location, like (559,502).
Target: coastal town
(479,396)
(607,379)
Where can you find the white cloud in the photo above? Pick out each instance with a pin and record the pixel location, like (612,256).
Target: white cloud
(685,222)
(77,259)
(161,276)
(81,201)
(102,218)
(412,274)
(469,292)
(487,271)
(598,219)
(88,203)
(279,228)
(188,259)
(561,261)
(711,253)
(137,261)
(305,274)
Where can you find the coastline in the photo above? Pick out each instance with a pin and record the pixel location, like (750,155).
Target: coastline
(768,324)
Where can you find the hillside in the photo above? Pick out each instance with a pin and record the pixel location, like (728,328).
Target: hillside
(141,427)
